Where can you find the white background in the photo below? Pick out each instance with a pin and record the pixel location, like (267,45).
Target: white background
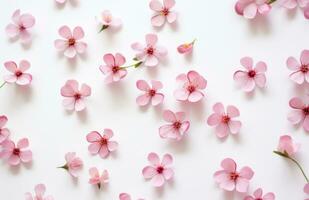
(222,39)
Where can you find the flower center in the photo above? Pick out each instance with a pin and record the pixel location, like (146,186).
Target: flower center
(225,119)
(22,28)
(304,68)
(177,125)
(165,11)
(18,73)
(306,110)
(191,88)
(115,69)
(151,92)
(77,96)
(160,169)
(251,73)
(71,41)
(16,151)
(104,141)
(150,51)
(234,176)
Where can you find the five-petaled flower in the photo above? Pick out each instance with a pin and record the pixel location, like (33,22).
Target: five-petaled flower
(113,67)
(258,195)
(191,85)
(101,145)
(107,20)
(4,132)
(96,178)
(150,53)
(162,12)
(39,193)
(150,93)
(158,171)
(250,8)
(251,77)
(230,179)
(300,114)
(223,120)
(73,164)
(70,44)
(301,70)
(18,75)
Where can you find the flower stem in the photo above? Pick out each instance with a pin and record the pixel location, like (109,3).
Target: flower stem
(103,28)
(2,84)
(285,155)
(64,167)
(136,65)
(193,41)
(271,1)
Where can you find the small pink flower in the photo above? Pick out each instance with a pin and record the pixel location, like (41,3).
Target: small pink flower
(287,145)
(4,132)
(306,14)
(96,178)
(186,48)
(291,4)
(125,196)
(306,188)
(250,8)
(251,77)
(162,12)
(230,179)
(16,154)
(107,20)
(18,75)
(258,195)
(20,26)
(149,53)
(150,93)
(75,97)
(301,70)
(223,120)
(71,44)
(101,145)
(112,68)
(177,126)
(300,114)
(158,171)
(191,85)
(39,193)
(61,1)
(73,164)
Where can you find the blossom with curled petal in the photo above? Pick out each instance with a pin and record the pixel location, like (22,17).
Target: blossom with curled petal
(258,195)
(300,113)
(39,194)
(73,164)
(96,178)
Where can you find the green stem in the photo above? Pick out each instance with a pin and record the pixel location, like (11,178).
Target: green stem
(193,41)
(271,1)
(2,84)
(103,28)
(64,167)
(285,155)
(136,65)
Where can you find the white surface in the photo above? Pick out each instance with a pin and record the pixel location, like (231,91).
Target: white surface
(222,39)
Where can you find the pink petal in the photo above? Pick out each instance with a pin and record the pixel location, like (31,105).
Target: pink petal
(247,62)
(24,79)
(78,33)
(306,124)
(258,193)
(153,158)
(70,52)
(61,45)
(180,116)
(119,75)
(69,103)
(234,126)
(104,152)
(157,20)
(246,172)
(12,30)
(168,3)
(23,143)
(14,160)
(79,105)
(298,77)
(40,190)
(25,36)
(27,20)
(109,59)
(260,67)
(93,136)
(241,78)
(296,116)
(112,145)
(195,96)
(224,180)
(149,172)
(10,78)
(168,174)
(93,172)
(142,85)
(304,58)
(151,39)
(249,86)
(264,9)
(155,5)
(105,69)
(151,61)
(214,119)
(232,111)
(182,78)
(181,94)
(70,156)
(228,164)
(119,59)
(156,85)
(269,196)
(167,131)
(167,160)
(10,66)
(169,116)
(94,148)
(24,65)
(158,180)
(85,90)
(260,80)
(16,16)
(157,99)
(292,64)
(218,108)
(3,120)
(171,17)
(137,46)
(124,196)
(242,185)
(65,32)
(250,11)
(80,47)
(26,156)
(306,188)
(116,22)
(143,100)
(296,103)
(28,196)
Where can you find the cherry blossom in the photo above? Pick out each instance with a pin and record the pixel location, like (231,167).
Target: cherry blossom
(287,145)
(291,4)
(113,68)
(4,132)
(150,94)
(18,75)
(39,193)
(300,69)
(258,195)
(162,12)
(96,178)
(125,196)
(73,164)
(107,20)
(250,8)
(186,48)
(300,113)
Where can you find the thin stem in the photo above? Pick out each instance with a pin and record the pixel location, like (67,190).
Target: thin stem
(133,65)
(285,155)
(193,41)
(2,84)
(271,1)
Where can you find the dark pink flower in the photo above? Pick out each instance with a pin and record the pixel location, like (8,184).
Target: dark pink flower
(112,68)
(39,193)
(230,179)
(258,195)
(300,114)
(4,132)
(101,145)
(162,12)
(158,171)
(250,8)
(191,85)
(20,26)
(186,48)
(301,69)
(73,164)
(150,93)
(18,75)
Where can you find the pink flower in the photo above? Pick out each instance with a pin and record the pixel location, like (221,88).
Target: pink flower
(306,11)
(96,178)
(306,188)
(224,120)
(158,171)
(112,68)
(71,44)
(191,85)
(287,145)
(125,196)
(149,53)
(258,195)
(177,126)
(251,77)
(300,114)
(16,154)
(101,145)
(186,48)
(73,164)
(162,12)
(150,93)
(250,8)
(39,193)
(74,97)
(4,132)
(20,26)
(18,75)
(108,20)
(291,4)
(230,179)
(300,74)
(61,1)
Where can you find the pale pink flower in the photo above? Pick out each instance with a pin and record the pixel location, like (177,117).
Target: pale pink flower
(125,196)
(20,26)
(4,132)
(162,12)
(73,164)
(300,114)
(177,126)
(230,179)
(71,44)
(96,178)
(18,75)
(39,193)
(16,154)
(306,15)
(158,171)
(151,52)
(61,1)
(291,4)
(107,20)
(258,195)
(251,77)
(306,188)
(301,70)
(186,48)
(223,120)
(112,68)
(287,145)
(150,93)
(75,97)
(191,85)
(250,8)
(101,145)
